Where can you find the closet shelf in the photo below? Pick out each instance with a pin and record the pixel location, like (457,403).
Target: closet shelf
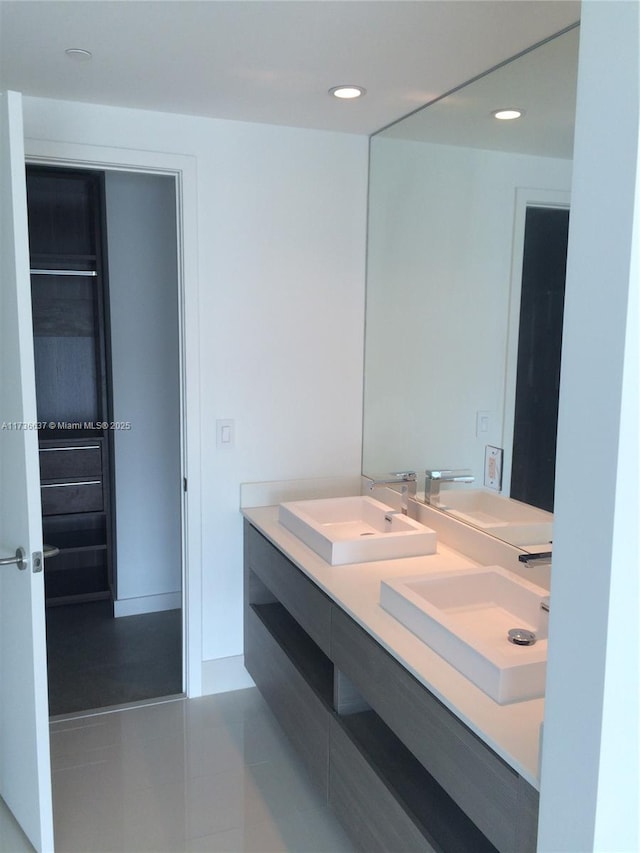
(70,541)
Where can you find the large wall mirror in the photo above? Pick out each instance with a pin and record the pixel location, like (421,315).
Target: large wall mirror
(451,190)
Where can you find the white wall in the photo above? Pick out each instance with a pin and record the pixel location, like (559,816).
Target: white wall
(441,240)
(591,752)
(281,223)
(145,365)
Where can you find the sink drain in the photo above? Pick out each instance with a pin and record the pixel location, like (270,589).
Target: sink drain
(521,637)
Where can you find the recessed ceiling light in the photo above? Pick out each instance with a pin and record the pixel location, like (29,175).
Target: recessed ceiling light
(78,54)
(347,92)
(507,115)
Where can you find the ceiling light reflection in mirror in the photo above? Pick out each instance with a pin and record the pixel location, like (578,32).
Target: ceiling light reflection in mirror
(445,185)
(541,83)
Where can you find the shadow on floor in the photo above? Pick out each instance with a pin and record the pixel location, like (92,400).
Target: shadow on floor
(95,660)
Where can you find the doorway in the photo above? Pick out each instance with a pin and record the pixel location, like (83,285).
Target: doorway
(126,644)
(539,354)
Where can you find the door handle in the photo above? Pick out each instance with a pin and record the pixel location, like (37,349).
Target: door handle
(19,560)
(50,551)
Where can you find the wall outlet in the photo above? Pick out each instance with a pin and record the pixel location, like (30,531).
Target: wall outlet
(493,467)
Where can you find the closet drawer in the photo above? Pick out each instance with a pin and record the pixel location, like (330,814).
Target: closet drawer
(59,498)
(68,463)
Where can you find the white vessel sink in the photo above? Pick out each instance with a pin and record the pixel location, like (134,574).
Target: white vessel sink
(356,530)
(465,616)
(511,520)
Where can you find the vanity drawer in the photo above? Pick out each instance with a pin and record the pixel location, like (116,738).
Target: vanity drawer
(363,803)
(490,792)
(302,714)
(308,605)
(83,496)
(68,463)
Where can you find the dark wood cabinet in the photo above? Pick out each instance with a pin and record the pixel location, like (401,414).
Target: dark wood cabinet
(400,770)
(69,303)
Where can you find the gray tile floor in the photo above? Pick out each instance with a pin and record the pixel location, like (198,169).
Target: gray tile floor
(208,774)
(12,839)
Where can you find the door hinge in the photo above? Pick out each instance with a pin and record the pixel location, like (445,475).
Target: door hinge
(184,483)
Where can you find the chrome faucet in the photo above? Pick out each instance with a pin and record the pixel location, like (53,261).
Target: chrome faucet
(433,480)
(405,479)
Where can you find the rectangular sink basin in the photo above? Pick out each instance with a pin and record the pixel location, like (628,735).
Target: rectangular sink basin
(356,529)
(465,616)
(511,520)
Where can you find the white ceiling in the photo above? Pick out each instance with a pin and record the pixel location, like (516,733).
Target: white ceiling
(542,83)
(266,60)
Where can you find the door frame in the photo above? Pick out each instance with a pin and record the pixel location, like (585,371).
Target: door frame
(183,169)
(525,197)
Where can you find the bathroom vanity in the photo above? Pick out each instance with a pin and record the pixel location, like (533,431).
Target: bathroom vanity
(409,753)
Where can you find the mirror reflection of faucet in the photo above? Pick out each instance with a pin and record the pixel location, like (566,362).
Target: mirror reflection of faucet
(540,558)
(405,479)
(433,479)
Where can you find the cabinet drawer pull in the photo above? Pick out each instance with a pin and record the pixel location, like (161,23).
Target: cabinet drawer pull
(80,447)
(64,272)
(60,485)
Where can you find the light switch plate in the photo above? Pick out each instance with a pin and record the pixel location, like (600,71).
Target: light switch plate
(493,467)
(483,423)
(225,433)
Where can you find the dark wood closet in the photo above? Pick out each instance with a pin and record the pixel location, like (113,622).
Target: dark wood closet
(71,347)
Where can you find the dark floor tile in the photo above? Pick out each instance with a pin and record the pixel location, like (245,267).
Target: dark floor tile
(95,660)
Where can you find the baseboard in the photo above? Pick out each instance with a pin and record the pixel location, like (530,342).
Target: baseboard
(224,674)
(147,604)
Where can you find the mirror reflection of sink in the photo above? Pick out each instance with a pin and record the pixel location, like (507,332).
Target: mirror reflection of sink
(514,521)
(356,529)
(465,616)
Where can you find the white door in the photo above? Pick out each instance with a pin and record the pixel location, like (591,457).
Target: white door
(25,773)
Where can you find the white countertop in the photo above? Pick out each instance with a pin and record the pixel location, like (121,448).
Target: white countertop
(512,731)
